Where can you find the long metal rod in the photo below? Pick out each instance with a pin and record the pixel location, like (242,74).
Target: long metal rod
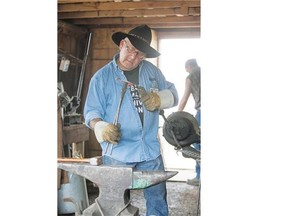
(80,83)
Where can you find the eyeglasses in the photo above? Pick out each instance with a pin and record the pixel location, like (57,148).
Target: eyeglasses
(131,50)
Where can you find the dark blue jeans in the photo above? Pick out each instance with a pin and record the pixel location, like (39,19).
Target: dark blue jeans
(197,145)
(155,196)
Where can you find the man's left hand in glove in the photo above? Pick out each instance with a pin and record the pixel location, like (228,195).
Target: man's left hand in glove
(155,101)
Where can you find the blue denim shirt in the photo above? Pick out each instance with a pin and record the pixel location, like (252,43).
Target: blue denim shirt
(138,143)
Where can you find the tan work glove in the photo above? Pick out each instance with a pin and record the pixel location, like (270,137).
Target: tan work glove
(105,131)
(150,100)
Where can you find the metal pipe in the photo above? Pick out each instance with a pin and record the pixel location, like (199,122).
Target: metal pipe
(80,83)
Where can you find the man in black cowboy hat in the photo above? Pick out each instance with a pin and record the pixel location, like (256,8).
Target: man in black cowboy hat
(134,140)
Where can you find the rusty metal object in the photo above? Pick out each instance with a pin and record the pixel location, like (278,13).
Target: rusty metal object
(113,181)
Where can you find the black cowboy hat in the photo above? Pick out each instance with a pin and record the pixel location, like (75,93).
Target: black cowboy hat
(140,38)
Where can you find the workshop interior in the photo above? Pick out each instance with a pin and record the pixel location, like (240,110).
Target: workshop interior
(84,45)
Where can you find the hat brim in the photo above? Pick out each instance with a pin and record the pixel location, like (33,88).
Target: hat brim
(137,43)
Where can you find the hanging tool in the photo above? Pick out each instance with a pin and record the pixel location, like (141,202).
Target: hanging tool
(71,104)
(80,83)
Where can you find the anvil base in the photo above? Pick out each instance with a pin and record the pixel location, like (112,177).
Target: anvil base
(93,210)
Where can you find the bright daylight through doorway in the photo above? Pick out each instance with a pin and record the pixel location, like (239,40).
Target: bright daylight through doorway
(174,53)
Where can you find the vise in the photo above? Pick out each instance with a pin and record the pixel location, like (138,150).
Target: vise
(112,182)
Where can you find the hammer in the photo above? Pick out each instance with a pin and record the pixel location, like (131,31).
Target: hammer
(93,161)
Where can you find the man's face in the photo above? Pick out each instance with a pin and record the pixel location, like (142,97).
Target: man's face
(130,57)
(188,68)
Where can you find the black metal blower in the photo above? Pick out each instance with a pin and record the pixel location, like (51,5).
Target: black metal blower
(181,129)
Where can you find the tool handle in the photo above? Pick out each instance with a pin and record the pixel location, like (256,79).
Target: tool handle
(123,90)
(79,160)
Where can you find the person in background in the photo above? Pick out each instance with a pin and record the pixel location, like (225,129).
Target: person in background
(134,140)
(193,87)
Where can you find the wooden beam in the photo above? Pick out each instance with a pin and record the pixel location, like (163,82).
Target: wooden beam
(88,1)
(187,26)
(183,11)
(75,133)
(67,28)
(175,26)
(177,33)
(134,20)
(124,5)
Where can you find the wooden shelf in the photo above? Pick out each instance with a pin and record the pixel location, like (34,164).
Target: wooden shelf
(75,133)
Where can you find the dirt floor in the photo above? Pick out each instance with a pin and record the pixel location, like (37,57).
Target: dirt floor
(182,199)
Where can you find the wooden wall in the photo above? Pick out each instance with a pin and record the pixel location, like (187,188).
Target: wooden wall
(71,45)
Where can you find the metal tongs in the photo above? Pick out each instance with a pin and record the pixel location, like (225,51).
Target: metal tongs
(115,122)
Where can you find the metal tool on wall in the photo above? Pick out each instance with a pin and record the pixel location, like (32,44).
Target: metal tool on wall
(80,83)
(71,104)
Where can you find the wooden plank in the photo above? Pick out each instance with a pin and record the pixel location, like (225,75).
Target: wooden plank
(68,29)
(88,1)
(138,21)
(103,54)
(170,19)
(125,5)
(59,140)
(180,33)
(171,26)
(75,133)
(102,38)
(183,11)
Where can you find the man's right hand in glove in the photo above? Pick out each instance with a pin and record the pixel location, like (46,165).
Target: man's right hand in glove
(105,131)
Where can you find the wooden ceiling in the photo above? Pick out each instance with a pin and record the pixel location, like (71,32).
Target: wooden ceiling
(162,14)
